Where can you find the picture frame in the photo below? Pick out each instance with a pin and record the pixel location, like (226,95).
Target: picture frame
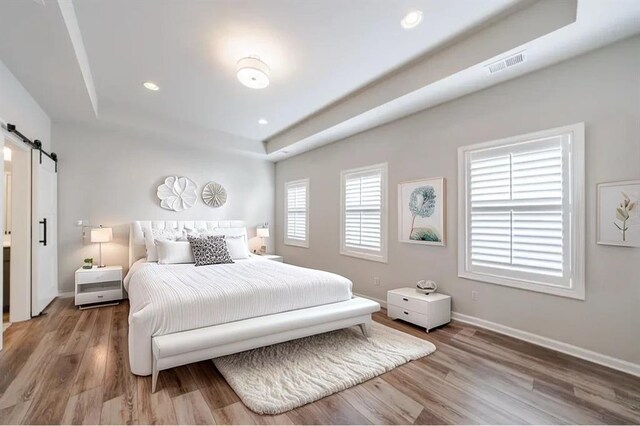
(618,213)
(422,209)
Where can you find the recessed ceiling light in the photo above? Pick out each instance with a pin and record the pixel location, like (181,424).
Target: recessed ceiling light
(253,73)
(411,19)
(263,121)
(151,86)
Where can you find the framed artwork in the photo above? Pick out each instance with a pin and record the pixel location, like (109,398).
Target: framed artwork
(618,213)
(421,212)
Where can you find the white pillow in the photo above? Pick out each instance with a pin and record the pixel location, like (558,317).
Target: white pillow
(237,246)
(187,233)
(153,235)
(170,252)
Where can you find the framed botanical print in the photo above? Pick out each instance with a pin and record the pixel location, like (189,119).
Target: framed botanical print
(421,212)
(618,213)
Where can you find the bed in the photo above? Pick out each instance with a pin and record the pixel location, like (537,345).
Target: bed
(181,313)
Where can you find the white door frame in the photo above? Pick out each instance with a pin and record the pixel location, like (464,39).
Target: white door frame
(20,303)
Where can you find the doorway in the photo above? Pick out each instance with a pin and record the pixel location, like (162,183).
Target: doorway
(6,241)
(16,224)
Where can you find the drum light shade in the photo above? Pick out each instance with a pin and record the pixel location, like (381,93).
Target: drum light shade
(101,235)
(262,232)
(253,73)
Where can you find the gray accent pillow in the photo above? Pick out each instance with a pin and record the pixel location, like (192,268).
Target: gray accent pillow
(211,250)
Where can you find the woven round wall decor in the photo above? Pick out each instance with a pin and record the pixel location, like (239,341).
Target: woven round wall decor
(214,195)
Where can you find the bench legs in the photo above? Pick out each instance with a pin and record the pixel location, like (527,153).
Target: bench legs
(154,375)
(366,329)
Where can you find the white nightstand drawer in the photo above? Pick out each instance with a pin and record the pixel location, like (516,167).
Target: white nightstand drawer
(97,276)
(427,310)
(98,285)
(407,302)
(83,298)
(407,315)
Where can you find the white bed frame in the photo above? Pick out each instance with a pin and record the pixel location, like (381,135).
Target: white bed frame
(185,347)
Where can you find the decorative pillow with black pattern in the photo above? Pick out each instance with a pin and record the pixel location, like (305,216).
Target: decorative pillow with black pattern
(210,250)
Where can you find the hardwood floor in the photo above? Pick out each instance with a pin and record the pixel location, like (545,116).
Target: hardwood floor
(71,366)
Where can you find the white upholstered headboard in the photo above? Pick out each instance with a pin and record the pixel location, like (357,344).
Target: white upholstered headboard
(137,248)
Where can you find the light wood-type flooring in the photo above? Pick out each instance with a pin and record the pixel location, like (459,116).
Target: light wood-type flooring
(71,366)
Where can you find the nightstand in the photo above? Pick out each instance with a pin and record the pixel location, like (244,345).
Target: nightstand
(274,257)
(426,310)
(99,285)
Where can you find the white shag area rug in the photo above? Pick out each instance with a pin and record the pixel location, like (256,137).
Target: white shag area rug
(279,378)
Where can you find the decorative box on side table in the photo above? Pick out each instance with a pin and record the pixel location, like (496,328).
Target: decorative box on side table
(98,285)
(426,310)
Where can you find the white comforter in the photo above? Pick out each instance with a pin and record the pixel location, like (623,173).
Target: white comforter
(171,298)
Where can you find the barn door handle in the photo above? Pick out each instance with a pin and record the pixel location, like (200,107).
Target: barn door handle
(44,223)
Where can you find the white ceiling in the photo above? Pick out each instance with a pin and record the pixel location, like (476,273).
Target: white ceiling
(318,51)
(596,23)
(35,46)
(338,67)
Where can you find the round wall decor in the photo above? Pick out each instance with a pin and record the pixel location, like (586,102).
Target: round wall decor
(214,195)
(177,193)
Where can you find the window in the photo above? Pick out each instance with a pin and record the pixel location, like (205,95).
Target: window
(297,213)
(521,215)
(363,224)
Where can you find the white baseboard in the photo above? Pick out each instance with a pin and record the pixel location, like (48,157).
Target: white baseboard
(556,345)
(565,348)
(66,294)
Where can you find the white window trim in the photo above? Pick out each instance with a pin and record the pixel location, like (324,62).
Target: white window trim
(287,241)
(577,168)
(376,257)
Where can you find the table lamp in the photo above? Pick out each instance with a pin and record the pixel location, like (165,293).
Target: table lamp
(263,233)
(101,235)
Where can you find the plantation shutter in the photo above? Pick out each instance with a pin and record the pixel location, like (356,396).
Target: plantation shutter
(363,210)
(297,225)
(519,210)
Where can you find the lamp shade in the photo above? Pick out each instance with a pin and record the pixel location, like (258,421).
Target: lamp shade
(262,232)
(101,235)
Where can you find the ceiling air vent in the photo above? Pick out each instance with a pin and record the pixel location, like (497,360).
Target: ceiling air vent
(507,62)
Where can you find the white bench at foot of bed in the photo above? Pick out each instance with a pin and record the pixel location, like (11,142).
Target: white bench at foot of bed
(186,347)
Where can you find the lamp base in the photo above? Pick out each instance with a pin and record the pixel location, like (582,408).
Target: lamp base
(263,249)
(101,265)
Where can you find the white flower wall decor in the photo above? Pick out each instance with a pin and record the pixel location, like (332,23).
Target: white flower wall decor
(214,195)
(177,193)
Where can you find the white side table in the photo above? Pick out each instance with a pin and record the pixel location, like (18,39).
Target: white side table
(99,285)
(274,257)
(426,310)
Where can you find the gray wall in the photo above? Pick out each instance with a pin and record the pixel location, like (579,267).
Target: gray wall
(601,89)
(109,176)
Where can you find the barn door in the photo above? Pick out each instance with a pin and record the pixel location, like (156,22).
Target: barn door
(44,253)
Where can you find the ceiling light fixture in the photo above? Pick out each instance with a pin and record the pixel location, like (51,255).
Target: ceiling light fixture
(263,121)
(411,19)
(253,73)
(151,86)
